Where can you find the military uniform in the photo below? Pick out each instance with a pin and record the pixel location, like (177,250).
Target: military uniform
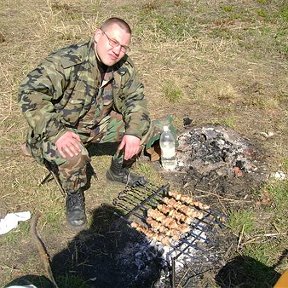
(70,90)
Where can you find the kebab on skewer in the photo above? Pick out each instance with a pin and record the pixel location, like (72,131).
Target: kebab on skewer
(174,213)
(158,227)
(155,236)
(168,225)
(187,199)
(163,219)
(177,205)
(167,221)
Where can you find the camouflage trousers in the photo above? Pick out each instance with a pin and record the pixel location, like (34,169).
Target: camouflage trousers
(72,171)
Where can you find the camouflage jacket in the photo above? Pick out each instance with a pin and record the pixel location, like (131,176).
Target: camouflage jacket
(62,89)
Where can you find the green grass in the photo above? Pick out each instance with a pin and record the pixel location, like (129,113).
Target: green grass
(268,238)
(263,252)
(227,8)
(175,27)
(241,221)
(52,217)
(171,92)
(229,122)
(71,282)
(258,101)
(146,169)
(15,235)
(283,13)
(285,165)
(278,191)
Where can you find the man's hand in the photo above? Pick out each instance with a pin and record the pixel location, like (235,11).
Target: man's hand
(131,145)
(69,144)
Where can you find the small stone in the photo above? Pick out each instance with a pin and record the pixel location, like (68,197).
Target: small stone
(237,171)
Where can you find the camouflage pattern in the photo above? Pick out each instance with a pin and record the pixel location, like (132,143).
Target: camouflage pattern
(62,89)
(155,130)
(73,174)
(69,91)
(64,93)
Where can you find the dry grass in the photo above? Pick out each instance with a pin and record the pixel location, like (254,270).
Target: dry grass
(228,59)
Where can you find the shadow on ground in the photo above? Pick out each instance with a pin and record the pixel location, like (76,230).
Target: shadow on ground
(246,272)
(94,258)
(101,256)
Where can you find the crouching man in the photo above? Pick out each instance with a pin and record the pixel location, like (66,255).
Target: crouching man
(85,93)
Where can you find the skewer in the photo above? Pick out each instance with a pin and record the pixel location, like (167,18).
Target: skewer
(125,208)
(174,213)
(167,221)
(188,200)
(157,227)
(157,237)
(171,202)
(162,189)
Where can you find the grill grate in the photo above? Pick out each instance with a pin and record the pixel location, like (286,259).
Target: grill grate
(135,203)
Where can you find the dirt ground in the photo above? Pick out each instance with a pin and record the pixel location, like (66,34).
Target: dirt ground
(216,62)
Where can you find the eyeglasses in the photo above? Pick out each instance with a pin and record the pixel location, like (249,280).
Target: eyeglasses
(113,43)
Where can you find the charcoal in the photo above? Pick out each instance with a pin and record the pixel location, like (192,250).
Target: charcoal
(213,157)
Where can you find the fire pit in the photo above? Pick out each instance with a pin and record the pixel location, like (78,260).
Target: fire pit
(218,159)
(181,231)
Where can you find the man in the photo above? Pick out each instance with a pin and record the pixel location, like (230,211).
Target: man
(81,94)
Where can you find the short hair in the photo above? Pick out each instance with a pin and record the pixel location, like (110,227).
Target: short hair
(115,20)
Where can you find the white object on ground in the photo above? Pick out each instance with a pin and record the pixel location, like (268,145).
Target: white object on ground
(10,221)
(267,134)
(279,175)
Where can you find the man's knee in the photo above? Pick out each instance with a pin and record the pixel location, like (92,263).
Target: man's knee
(72,173)
(76,163)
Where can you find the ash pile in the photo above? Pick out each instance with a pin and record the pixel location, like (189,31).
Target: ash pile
(218,159)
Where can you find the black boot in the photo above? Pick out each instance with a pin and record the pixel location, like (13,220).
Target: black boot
(75,208)
(118,173)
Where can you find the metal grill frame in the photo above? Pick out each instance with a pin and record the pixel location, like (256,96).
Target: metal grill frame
(134,203)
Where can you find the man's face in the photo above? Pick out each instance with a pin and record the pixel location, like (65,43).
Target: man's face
(110,45)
